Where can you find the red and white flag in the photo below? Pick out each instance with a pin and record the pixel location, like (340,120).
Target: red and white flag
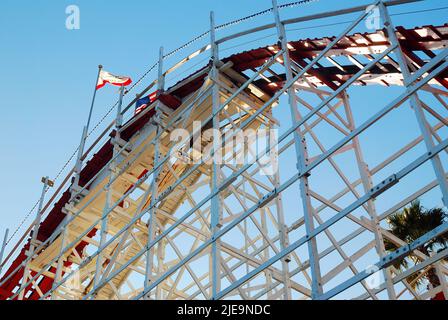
(107,77)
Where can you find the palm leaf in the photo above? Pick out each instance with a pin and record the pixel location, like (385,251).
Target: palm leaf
(410,224)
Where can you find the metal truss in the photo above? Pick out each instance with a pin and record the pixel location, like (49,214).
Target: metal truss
(152,224)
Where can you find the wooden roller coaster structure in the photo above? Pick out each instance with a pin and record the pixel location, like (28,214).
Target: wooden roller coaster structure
(141,220)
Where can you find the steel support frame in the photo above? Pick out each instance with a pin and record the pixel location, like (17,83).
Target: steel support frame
(301,158)
(212,243)
(33,243)
(154,184)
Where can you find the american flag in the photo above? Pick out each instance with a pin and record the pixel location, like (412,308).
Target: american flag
(144,102)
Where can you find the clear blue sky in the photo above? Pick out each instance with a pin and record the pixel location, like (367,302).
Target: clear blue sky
(48,71)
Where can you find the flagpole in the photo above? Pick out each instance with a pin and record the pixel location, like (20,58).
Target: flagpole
(85,131)
(94,95)
(119,119)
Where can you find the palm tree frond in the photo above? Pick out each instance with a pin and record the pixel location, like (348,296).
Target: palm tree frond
(410,224)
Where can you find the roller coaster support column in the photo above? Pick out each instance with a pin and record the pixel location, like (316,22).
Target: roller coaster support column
(33,242)
(416,105)
(215,201)
(367,185)
(154,183)
(112,169)
(301,157)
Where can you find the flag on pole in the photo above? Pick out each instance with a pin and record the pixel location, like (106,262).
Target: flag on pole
(142,103)
(107,77)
